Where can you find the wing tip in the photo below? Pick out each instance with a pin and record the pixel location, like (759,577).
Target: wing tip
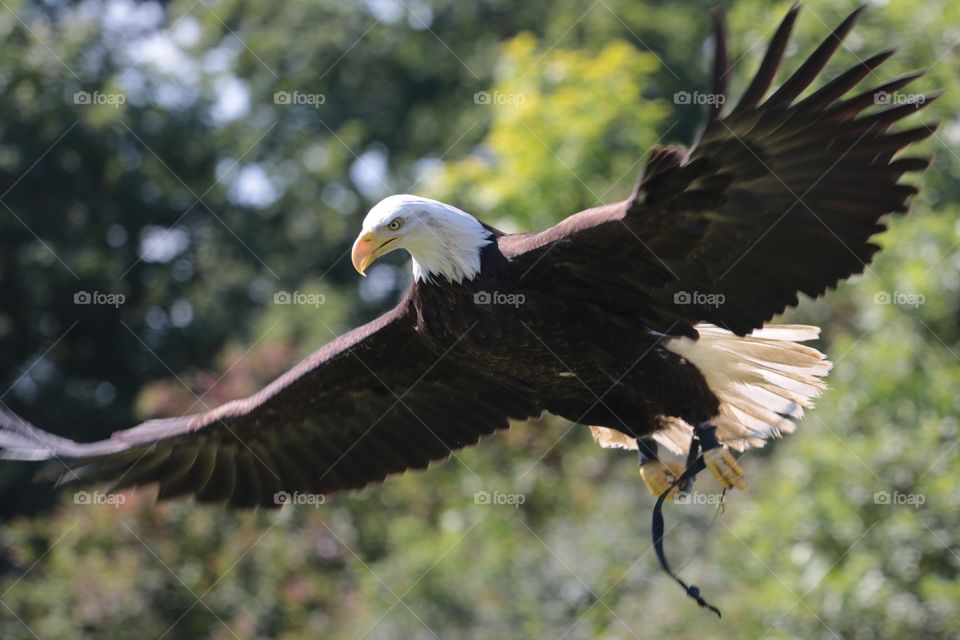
(721,68)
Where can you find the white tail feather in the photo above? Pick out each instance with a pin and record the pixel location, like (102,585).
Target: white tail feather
(763,381)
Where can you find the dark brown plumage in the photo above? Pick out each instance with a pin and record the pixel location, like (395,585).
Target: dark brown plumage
(779,196)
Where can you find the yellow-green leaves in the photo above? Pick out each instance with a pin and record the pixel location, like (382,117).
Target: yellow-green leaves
(568,129)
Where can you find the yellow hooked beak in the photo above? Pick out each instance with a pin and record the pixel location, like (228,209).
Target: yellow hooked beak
(367,248)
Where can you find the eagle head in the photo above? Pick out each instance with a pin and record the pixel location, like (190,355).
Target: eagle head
(443,241)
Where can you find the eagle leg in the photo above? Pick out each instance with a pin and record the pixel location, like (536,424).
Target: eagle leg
(719,460)
(659,476)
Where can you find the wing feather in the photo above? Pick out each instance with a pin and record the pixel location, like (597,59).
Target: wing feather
(373,403)
(779,197)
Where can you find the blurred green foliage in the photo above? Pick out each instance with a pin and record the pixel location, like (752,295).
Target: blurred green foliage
(202,196)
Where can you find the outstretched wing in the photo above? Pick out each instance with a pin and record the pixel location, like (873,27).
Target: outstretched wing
(372,403)
(780,196)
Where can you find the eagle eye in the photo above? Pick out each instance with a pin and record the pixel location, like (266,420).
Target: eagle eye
(395,224)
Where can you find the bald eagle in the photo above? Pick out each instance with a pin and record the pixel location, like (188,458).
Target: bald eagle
(645,319)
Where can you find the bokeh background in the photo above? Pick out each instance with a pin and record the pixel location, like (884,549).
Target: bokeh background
(177,165)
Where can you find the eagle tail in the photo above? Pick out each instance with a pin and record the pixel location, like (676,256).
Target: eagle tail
(764,381)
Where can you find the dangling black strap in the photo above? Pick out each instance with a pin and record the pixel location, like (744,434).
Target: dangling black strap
(694,451)
(692,470)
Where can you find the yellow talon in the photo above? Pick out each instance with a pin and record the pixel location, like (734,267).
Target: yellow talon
(724,468)
(658,476)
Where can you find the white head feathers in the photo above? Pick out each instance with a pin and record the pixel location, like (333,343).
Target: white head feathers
(442,240)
